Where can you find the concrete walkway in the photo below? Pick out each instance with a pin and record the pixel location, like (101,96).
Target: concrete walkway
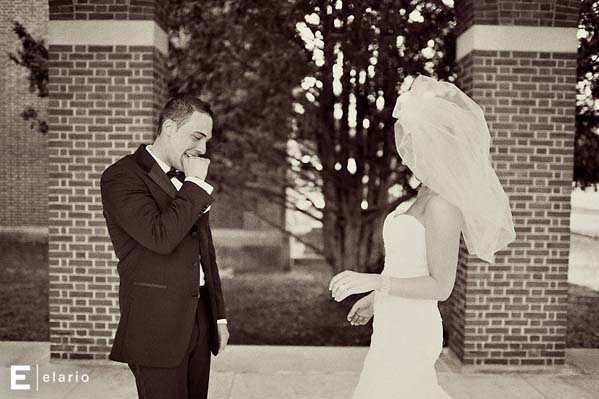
(267,372)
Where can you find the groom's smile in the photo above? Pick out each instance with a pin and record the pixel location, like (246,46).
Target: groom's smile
(190,138)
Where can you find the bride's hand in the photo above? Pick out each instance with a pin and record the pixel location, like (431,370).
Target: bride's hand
(349,283)
(362,311)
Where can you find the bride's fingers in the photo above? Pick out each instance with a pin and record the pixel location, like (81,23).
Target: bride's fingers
(342,278)
(355,311)
(346,289)
(332,283)
(358,320)
(341,295)
(335,284)
(338,287)
(335,288)
(341,282)
(352,288)
(336,279)
(341,292)
(352,312)
(344,286)
(336,295)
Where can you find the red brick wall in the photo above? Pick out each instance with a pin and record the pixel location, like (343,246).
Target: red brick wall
(24,158)
(514,310)
(102,107)
(559,13)
(110,10)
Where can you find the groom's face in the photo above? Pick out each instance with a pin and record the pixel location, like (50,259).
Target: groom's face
(191,137)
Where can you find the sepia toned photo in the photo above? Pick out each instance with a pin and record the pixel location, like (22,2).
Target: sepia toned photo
(299,199)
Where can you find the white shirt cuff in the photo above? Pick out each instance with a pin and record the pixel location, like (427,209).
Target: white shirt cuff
(207,187)
(221,321)
(203,185)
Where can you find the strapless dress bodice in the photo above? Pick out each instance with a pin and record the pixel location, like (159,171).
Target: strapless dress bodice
(405,246)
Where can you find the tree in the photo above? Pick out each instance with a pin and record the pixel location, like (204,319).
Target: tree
(308,87)
(303,92)
(586,148)
(34,56)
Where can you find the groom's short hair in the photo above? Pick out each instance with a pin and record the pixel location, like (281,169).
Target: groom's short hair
(180,108)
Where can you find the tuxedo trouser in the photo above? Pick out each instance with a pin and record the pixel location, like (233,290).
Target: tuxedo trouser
(189,380)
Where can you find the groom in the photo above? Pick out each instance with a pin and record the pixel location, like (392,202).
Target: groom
(170,297)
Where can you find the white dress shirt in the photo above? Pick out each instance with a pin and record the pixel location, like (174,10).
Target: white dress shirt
(177,183)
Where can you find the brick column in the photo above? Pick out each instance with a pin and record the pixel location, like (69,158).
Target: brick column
(517,59)
(107,66)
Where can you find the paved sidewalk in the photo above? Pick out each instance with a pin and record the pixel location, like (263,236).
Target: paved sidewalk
(268,372)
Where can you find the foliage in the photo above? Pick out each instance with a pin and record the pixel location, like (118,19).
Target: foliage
(586,148)
(34,56)
(303,91)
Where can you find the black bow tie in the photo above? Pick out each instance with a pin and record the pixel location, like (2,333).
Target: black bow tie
(176,173)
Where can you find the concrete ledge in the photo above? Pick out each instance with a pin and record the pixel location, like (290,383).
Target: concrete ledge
(25,233)
(517,38)
(108,33)
(238,238)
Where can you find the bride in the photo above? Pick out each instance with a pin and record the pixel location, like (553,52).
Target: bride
(442,136)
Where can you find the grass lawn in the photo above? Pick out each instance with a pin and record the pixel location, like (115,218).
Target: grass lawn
(583,318)
(292,308)
(23,289)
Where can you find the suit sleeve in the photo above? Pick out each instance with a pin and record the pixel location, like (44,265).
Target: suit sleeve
(127,201)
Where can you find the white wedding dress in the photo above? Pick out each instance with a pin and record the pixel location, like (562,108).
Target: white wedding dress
(407,333)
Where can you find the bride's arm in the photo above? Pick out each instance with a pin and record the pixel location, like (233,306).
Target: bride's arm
(443,227)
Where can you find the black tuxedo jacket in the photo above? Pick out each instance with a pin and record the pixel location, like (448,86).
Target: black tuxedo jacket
(158,235)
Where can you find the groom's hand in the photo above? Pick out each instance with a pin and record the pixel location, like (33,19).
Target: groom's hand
(195,166)
(223,337)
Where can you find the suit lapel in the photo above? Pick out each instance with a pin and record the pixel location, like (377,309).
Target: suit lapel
(149,164)
(160,178)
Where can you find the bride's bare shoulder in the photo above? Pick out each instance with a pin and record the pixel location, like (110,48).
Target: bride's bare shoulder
(441,210)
